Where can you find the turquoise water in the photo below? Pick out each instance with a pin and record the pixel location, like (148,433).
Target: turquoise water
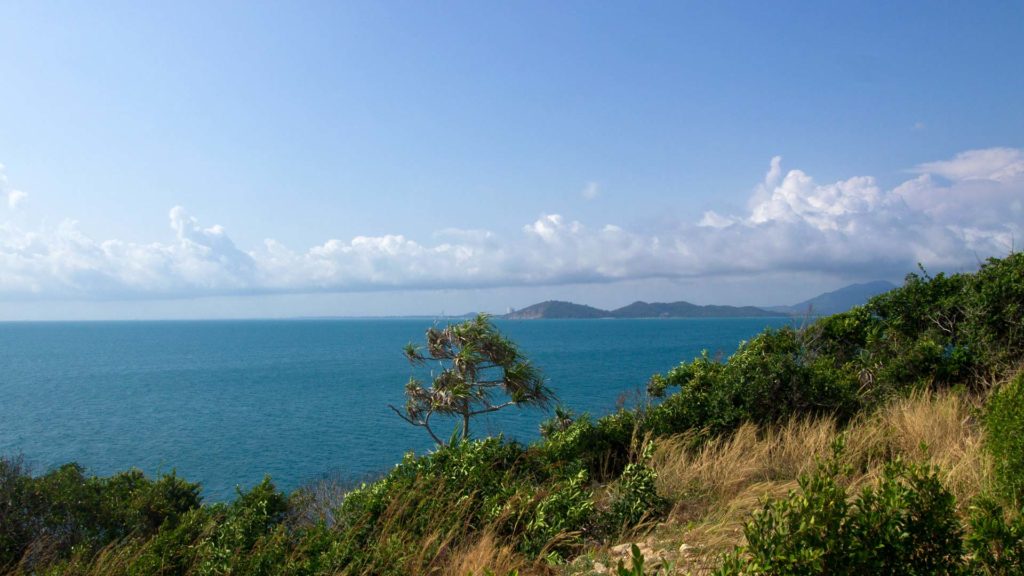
(225,402)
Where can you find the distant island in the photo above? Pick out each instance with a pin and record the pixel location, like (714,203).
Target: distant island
(553,309)
(828,303)
(836,301)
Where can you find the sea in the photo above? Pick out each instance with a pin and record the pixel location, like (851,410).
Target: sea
(225,403)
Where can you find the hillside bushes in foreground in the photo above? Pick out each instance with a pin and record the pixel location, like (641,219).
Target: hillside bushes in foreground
(996,539)
(45,517)
(931,333)
(769,379)
(906,525)
(1005,438)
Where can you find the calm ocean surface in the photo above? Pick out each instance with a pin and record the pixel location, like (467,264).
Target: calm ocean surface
(225,402)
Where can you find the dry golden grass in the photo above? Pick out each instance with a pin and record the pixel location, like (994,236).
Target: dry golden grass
(724,469)
(485,553)
(716,487)
(939,429)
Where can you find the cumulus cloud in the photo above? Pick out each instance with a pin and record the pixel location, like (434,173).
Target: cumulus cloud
(954,212)
(15,198)
(998,164)
(947,216)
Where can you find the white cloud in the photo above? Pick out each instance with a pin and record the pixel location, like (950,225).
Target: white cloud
(798,224)
(15,198)
(591,190)
(999,164)
(951,214)
(712,219)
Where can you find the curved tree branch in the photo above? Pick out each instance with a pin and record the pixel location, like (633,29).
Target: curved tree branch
(425,423)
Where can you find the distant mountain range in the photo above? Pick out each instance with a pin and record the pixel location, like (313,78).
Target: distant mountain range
(828,303)
(838,300)
(558,309)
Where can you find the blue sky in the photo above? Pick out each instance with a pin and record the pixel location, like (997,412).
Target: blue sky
(216,159)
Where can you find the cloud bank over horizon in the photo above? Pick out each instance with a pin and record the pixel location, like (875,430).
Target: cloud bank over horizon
(948,215)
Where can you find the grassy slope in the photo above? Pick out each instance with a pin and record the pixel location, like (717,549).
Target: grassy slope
(716,487)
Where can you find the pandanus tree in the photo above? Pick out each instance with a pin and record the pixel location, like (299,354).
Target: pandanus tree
(480,371)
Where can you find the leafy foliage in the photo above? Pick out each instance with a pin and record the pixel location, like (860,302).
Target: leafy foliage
(933,332)
(907,525)
(996,542)
(1005,435)
(770,378)
(65,509)
(481,372)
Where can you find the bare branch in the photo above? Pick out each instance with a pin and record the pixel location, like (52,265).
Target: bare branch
(425,423)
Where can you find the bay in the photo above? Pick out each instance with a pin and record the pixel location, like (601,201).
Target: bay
(226,402)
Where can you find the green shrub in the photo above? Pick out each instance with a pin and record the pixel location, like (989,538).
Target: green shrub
(68,510)
(943,330)
(448,495)
(20,517)
(602,448)
(770,378)
(1004,427)
(564,513)
(995,542)
(907,525)
(994,304)
(933,332)
(634,498)
(243,537)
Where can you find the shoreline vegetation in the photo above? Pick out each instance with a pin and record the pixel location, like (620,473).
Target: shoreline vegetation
(886,439)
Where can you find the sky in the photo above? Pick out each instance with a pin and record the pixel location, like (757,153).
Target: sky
(276,159)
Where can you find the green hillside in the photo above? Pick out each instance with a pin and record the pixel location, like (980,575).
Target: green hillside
(556,309)
(688,310)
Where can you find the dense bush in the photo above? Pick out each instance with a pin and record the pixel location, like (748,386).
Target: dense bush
(634,498)
(933,332)
(1004,425)
(943,330)
(528,496)
(770,378)
(49,515)
(603,447)
(907,525)
(237,538)
(995,540)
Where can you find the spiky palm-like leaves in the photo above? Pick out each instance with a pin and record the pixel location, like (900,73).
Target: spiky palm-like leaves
(481,372)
